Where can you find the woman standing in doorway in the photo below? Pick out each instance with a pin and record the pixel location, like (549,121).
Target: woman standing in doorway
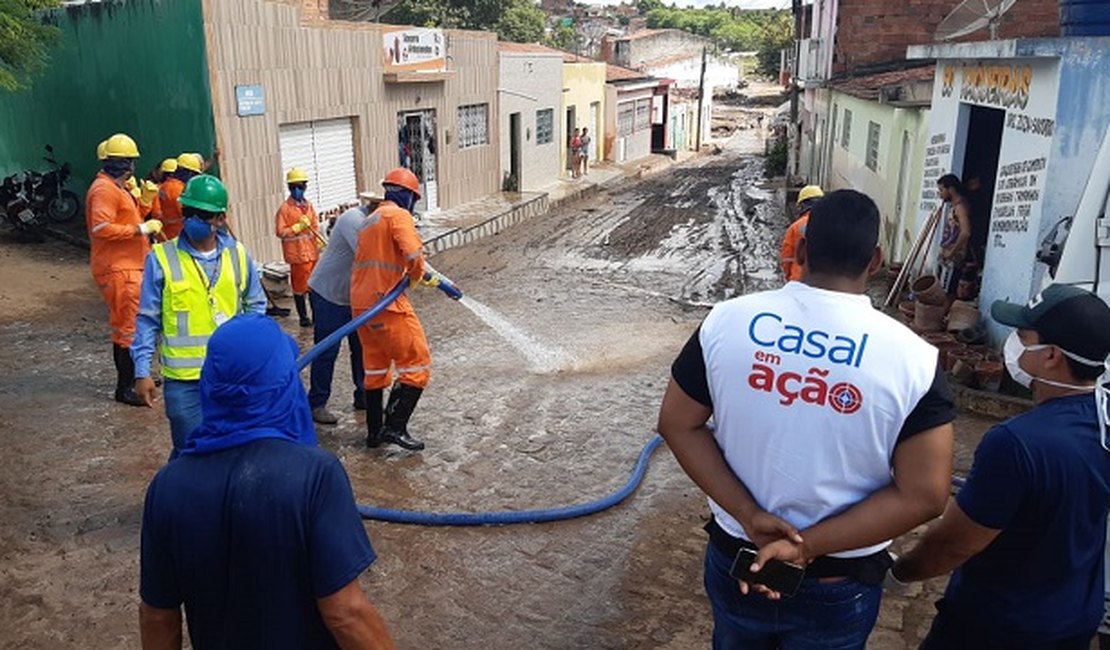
(575,153)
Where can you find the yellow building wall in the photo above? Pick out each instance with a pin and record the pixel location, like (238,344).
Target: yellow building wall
(583,88)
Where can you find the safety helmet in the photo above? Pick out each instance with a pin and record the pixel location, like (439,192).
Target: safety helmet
(296,175)
(402,177)
(102,150)
(121,146)
(205,192)
(810,192)
(191,161)
(169,165)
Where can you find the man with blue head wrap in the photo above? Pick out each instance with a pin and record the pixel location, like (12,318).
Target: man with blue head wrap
(254,528)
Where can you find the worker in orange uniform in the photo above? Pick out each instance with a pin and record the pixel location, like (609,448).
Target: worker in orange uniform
(388,250)
(166,206)
(296,224)
(791,270)
(118,237)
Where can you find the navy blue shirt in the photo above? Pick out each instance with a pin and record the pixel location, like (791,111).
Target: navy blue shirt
(248,538)
(1043,479)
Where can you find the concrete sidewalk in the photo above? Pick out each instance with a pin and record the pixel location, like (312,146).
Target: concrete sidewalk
(490,215)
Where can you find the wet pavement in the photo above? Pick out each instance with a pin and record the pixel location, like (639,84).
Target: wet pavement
(614,284)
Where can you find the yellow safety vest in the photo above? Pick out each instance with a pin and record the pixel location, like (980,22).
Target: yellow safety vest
(191,309)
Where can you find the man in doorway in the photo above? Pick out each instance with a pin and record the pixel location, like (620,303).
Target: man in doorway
(584,151)
(389,249)
(329,291)
(1026,534)
(955,235)
(791,269)
(118,239)
(254,528)
(849,443)
(191,285)
(296,224)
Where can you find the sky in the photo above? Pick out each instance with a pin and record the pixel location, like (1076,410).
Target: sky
(745,4)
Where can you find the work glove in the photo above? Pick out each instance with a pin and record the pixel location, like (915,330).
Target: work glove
(299,227)
(152,227)
(147,192)
(133,187)
(430,279)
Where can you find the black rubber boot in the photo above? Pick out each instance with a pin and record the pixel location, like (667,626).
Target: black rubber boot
(302,310)
(402,402)
(373,401)
(125,377)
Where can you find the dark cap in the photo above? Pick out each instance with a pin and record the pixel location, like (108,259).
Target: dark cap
(1074,319)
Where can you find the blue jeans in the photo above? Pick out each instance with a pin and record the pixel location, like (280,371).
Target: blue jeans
(822,615)
(182,409)
(328,318)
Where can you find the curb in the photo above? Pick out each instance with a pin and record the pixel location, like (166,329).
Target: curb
(988,403)
(527,209)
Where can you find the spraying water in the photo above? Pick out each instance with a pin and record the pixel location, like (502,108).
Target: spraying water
(541,358)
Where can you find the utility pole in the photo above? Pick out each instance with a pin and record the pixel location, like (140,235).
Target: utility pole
(701,92)
(792,142)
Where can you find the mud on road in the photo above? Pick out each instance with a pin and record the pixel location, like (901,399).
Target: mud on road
(613,280)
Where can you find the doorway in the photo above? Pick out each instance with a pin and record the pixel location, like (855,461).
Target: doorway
(514,182)
(982,148)
(572,124)
(416,147)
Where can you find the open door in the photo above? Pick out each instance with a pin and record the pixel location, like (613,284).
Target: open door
(514,182)
(417,147)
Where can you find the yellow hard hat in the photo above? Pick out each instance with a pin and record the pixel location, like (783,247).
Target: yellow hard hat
(191,161)
(296,175)
(810,192)
(121,146)
(102,150)
(169,165)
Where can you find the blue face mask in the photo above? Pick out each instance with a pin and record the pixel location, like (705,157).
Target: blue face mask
(297,193)
(118,167)
(196,229)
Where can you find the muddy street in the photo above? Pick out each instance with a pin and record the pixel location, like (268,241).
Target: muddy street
(542,395)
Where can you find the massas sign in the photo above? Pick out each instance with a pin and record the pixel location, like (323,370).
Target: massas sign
(1005,86)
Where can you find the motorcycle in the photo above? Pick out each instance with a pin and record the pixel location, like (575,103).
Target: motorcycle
(50,193)
(18,210)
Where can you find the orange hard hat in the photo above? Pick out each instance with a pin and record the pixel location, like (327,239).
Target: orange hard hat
(402,177)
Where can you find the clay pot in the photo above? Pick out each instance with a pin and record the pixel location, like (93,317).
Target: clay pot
(906,309)
(989,374)
(927,290)
(963,315)
(928,317)
(946,346)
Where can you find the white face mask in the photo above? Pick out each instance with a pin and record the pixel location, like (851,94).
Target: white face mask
(1014,348)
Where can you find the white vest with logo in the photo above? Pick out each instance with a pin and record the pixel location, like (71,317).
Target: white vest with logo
(810,390)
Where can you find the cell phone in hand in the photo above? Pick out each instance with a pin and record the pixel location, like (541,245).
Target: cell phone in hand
(783,577)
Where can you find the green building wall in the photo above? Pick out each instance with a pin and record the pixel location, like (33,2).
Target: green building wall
(137,67)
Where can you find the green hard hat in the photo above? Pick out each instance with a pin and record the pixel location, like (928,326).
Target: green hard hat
(206,193)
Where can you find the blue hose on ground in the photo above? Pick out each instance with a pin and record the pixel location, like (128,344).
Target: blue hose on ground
(338,335)
(517,516)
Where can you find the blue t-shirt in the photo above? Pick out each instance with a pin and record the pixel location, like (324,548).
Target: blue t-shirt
(248,539)
(1043,479)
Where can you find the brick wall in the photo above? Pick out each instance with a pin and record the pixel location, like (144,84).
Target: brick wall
(877,31)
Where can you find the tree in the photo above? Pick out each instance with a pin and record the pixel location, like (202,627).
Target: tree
(646,6)
(563,37)
(521,23)
(24,41)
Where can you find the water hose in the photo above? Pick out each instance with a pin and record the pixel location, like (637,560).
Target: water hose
(518,516)
(481,518)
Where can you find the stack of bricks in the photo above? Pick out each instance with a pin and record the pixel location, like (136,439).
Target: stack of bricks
(878,31)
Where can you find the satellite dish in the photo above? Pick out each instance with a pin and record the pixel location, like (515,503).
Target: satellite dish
(972,15)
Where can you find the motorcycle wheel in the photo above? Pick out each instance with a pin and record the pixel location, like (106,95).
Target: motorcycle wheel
(63,207)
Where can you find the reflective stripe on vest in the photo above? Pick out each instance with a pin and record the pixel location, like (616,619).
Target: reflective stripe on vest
(189,307)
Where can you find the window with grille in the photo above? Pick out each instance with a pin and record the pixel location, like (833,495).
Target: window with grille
(643,114)
(846,136)
(545,126)
(873,133)
(626,118)
(473,125)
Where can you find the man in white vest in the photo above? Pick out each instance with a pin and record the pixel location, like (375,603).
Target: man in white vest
(832,435)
